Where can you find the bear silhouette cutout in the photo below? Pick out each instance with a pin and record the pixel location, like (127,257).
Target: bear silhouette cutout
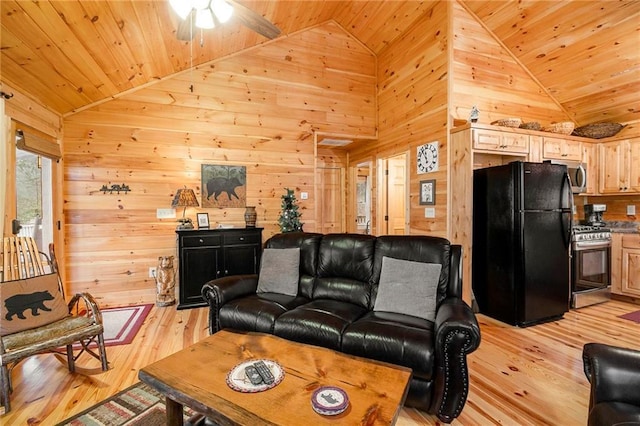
(17,304)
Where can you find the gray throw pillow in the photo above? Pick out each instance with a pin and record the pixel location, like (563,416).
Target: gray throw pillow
(408,288)
(279,271)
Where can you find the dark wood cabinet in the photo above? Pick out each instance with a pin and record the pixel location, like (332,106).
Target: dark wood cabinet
(214,253)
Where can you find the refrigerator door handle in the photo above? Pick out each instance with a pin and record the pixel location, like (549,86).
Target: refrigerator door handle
(569,192)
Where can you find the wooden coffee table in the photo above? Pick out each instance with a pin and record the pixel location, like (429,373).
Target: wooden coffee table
(196,377)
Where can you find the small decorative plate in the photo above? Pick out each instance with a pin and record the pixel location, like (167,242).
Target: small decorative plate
(238,381)
(329,401)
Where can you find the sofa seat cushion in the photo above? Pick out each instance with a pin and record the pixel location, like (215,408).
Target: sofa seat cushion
(394,338)
(614,413)
(257,312)
(320,322)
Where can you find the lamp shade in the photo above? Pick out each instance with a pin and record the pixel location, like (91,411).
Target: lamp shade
(185,198)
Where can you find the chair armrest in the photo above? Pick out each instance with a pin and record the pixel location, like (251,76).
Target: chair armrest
(456,334)
(83,304)
(222,290)
(614,373)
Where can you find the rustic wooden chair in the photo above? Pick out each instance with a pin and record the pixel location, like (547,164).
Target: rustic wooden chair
(80,326)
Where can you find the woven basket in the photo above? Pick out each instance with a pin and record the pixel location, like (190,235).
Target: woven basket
(508,122)
(598,130)
(531,125)
(564,128)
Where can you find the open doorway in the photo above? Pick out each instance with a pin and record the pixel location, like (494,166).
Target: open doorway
(34,207)
(393,197)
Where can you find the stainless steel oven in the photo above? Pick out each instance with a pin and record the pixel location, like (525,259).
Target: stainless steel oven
(590,266)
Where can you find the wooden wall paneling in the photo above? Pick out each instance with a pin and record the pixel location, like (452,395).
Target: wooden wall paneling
(486,75)
(412,102)
(258,110)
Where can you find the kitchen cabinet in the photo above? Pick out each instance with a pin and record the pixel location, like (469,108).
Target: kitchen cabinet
(625,265)
(214,253)
(590,161)
(498,141)
(619,171)
(561,149)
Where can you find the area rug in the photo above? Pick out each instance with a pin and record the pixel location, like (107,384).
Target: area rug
(138,405)
(122,324)
(632,316)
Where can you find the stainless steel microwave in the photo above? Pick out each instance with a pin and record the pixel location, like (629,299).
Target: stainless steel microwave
(577,175)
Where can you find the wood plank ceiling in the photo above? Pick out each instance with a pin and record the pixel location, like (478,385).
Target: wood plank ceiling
(70,54)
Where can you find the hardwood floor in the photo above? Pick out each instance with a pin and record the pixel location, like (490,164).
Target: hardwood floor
(529,376)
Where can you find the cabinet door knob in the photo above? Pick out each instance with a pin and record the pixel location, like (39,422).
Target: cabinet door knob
(241,238)
(201,240)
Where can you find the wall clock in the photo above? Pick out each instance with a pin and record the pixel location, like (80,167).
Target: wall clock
(428,157)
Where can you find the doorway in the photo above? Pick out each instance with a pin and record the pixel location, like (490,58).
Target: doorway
(34,203)
(394,195)
(331,200)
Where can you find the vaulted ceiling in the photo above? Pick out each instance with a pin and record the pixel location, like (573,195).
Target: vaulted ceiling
(68,54)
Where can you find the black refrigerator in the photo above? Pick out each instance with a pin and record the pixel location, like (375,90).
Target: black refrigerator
(522,218)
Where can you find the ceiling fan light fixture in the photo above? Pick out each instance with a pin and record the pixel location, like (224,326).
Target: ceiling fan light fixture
(204,18)
(222,9)
(199,4)
(181,7)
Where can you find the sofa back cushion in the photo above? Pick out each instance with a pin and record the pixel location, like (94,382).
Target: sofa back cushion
(345,266)
(415,248)
(308,243)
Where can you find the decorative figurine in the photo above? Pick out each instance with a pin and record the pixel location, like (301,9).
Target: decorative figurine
(474,114)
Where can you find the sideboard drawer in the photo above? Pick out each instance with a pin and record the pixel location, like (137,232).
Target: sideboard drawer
(201,241)
(240,238)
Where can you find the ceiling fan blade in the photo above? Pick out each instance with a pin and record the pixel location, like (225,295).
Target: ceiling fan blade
(185,30)
(254,20)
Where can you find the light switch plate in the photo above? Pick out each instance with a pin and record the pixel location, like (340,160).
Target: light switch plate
(429,212)
(165,213)
(631,210)
(304,195)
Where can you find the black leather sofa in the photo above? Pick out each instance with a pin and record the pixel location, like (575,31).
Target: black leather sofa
(614,374)
(335,307)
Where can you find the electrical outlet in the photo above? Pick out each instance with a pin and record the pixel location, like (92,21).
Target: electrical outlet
(152,272)
(631,210)
(304,195)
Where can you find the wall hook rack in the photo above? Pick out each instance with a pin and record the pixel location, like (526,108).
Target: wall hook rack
(115,188)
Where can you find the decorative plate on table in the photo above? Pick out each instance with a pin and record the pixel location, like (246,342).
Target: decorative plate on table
(329,401)
(238,380)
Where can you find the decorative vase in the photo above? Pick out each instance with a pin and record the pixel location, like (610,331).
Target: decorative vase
(250,217)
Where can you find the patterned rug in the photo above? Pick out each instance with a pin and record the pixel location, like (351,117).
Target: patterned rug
(138,405)
(122,324)
(632,316)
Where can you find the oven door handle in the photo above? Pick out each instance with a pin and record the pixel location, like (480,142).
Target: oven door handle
(590,245)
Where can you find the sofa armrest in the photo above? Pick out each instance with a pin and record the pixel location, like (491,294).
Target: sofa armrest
(220,291)
(614,373)
(456,334)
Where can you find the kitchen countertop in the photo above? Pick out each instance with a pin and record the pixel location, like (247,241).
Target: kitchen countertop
(624,227)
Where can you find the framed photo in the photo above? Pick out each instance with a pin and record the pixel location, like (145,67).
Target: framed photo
(203,220)
(428,192)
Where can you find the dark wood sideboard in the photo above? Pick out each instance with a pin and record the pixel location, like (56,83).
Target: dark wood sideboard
(206,254)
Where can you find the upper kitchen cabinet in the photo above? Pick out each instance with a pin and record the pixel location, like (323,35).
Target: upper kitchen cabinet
(561,149)
(617,172)
(500,142)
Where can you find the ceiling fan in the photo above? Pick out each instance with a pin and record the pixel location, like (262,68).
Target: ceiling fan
(207,14)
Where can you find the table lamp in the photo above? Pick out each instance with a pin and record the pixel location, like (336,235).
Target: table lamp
(185,198)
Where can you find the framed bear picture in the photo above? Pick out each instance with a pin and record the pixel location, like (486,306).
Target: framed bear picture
(223,186)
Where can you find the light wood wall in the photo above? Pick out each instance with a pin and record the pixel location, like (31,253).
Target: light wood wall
(486,75)
(412,110)
(258,109)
